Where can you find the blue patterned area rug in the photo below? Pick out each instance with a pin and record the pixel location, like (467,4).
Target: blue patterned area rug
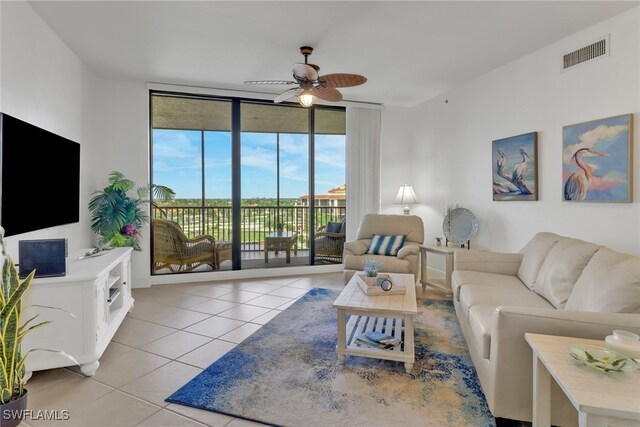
(287,374)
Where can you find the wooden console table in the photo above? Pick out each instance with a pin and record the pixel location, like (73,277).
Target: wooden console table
(281,241)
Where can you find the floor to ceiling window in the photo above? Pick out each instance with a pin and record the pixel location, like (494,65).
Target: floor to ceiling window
(257,184)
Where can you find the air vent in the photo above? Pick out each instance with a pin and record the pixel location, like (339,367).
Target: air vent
(587,53)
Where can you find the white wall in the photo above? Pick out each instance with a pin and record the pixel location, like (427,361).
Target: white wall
(444,148)
(119,111)
(43,82)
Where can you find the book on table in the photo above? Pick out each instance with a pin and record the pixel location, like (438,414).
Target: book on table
(377,340)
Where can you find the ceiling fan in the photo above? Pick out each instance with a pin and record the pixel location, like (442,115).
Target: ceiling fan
(311,85)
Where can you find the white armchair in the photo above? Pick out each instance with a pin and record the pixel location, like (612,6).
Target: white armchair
(406,260)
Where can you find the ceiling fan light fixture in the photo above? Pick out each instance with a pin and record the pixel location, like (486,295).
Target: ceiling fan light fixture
(306,99)
(310,84)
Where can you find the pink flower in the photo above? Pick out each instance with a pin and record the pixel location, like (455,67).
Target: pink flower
(129,230)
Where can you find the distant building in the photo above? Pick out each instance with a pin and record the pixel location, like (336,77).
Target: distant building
(336,197)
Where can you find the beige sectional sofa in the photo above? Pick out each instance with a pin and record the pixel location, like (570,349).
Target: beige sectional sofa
(556,285)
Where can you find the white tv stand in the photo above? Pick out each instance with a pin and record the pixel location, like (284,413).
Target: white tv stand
(85,292)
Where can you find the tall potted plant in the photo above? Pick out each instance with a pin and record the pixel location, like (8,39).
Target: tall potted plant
(13,395)
(117,216)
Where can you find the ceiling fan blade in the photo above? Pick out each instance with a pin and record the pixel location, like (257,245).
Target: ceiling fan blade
(342,80)
(327,93)
(305,72)
(270,82)
(287,94)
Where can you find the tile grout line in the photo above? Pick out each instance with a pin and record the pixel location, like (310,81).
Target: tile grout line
(271,311)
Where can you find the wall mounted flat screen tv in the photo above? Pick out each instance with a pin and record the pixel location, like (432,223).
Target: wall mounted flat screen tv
(40,178)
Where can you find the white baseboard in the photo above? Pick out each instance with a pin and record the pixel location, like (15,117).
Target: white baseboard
(216,276)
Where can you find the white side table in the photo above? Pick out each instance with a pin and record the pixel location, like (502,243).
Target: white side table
(447,252)
(602,399)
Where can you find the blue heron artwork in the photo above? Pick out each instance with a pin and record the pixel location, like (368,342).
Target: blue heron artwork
(596,160)
(515,167)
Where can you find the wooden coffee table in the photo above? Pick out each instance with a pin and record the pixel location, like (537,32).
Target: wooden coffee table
(281,241)
(389,314)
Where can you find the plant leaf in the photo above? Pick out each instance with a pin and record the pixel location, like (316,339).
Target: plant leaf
(54,308)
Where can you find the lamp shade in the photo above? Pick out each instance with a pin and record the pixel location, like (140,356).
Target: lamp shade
(405,195)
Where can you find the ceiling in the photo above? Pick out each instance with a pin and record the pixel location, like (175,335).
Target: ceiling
(409,51)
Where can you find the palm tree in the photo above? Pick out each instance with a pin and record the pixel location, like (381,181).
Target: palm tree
(116,216)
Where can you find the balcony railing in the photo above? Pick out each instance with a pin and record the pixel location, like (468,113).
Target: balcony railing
(256,222)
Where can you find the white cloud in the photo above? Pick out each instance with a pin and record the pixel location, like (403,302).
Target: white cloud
(590,138)
(615,176)
(291,144)
(213,164)
(335,160)
(293,172)
(178,146)
(176,165)
(257,157)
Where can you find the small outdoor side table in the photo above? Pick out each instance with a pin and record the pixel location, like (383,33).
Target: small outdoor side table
(281,241)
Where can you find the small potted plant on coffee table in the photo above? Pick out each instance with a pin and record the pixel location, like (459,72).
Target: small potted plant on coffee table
(371,270)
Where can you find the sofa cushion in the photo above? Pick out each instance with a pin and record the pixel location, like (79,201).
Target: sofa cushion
(487,262)
(561,269)
(334,227)
(534,254)
(493,296)
(463,277)
(480,323)
(609,283)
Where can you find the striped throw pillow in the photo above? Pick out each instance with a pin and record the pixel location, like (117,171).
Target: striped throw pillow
(385,245)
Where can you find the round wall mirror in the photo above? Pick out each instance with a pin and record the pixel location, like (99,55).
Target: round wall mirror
(460,225)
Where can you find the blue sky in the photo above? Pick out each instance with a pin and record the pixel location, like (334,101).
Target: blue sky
(177,163)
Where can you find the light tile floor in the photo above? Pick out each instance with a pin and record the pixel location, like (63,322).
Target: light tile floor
(172,334)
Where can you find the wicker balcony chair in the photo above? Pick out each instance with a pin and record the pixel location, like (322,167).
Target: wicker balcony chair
(174,251)
(329,241)
(223,253)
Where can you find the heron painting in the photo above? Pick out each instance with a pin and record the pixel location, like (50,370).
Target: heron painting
(515,167)
(596,159)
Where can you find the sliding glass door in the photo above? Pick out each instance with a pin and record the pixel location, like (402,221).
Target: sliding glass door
(274,174)
(253,179)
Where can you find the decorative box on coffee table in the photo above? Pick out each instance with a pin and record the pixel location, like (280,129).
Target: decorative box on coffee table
(370,286)
(388,314)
